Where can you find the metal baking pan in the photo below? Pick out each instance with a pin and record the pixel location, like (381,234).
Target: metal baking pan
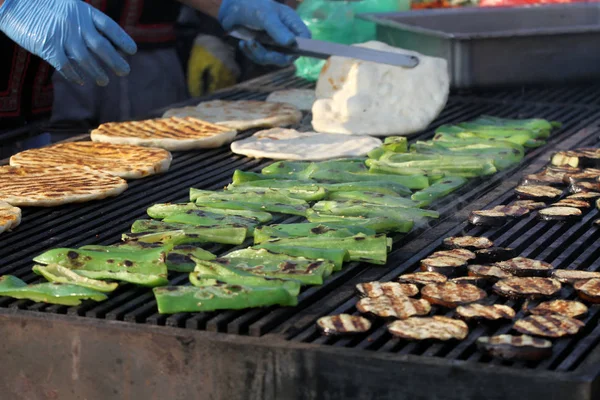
(488,47)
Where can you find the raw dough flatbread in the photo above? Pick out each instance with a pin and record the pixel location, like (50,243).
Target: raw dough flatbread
(241,114)
(53,186)
(301,98)
(289,144)
(10,217)
(125,161)
(364,98)
(168,133)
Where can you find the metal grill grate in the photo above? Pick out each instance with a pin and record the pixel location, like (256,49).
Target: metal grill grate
(103,222)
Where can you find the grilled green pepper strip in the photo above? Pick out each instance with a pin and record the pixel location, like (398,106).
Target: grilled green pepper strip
(518,136)
(180,258)
(276,265)
(307,169)
(376,153)
(409,181)
(379,187)
(268,201)
(371,249)
(142,267)
(361,209)
(176,299)
(396,144)
(266,233)
(49,292)
(439,189)
(150,225)
(541,127)
(240,176)
(60,274)
(336,256)
(469,167)
(302,192)
(215,234)
(379,224)
(374,198)
(203,218)
(160,211)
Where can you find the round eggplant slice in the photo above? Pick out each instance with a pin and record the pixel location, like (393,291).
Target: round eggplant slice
(437,328)
(538,192)
(449,266)
(531,205)
(587,175)
(542,179)
(572,275)
(550,325)
(343,324)
(584,196)
(456,253)
(521,266)
(584,187)
(393,307)
(452,294)
(468,242)
(423,278)
(509,347)
(389,289)
(473,280)
(477,312)
(488,218)
(571,203)
(495,254)
(588,290)
(527,287)
(488,272)
(556,213)
(512,211)
(568,308)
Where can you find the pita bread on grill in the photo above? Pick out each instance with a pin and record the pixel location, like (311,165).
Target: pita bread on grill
(53,186)
(241,114)
(301,98)
(289,144)
(126,161)
(10,217)
(168,133)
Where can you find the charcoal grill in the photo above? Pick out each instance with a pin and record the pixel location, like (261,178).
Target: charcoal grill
(122,348)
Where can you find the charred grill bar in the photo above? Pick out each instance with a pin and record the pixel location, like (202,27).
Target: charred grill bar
(123,348)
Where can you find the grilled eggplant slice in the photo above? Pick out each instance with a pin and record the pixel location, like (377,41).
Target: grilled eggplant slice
(521,266)
(488,218)
(449,266)
(463,254)
(561,171)
(478,312)
(530,287)
(468,242)
(343,324)
(568,308)
(563,214)
(588,157)
(550,325)
(572,275)
(588,290)
(389,289)
(580,187)
(509,347)
(393,307)
(542,179)
(512,211)
(565,159)
(423,278)
(452,295)
(436,327)
(538,192)
(495,254)
(584,196)
(489,272)
(531,205)
(587,175)
(472,280)
(575,203)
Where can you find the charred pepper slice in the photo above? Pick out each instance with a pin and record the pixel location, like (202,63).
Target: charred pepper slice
(59,274)
(439,189)
(373,198)
(160,211)
(265,233)
(336,256)
(49,292)
(299,191)
(378,224)
(362,209)
(187,234)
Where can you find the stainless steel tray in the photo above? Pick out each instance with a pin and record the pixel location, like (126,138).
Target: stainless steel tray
(488,47)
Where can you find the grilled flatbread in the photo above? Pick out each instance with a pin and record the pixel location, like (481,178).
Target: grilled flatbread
(53,186)
(436,327)
(168,133)
(10,217)
(301,98)
(241,114)
(126,161)
(289,144)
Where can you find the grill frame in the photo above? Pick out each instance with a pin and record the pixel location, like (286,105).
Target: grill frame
(226,338)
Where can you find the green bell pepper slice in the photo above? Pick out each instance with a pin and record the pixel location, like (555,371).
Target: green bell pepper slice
(374,198)
(58,273)
(255,204)
(396,144)
(186,234)
(161,211)
(378,224)
(336,256)
(361,209)
(48,292)
(439,189)
(302,192)
(279,231)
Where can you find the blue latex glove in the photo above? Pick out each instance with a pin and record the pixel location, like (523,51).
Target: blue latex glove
(69,35)
(279,21)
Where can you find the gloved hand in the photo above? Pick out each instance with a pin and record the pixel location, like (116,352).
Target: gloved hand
(68,34)
(281,23)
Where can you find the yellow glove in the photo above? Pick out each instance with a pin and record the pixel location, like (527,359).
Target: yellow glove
(211,66)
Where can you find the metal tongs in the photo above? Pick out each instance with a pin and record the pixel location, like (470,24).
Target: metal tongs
(323,50)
